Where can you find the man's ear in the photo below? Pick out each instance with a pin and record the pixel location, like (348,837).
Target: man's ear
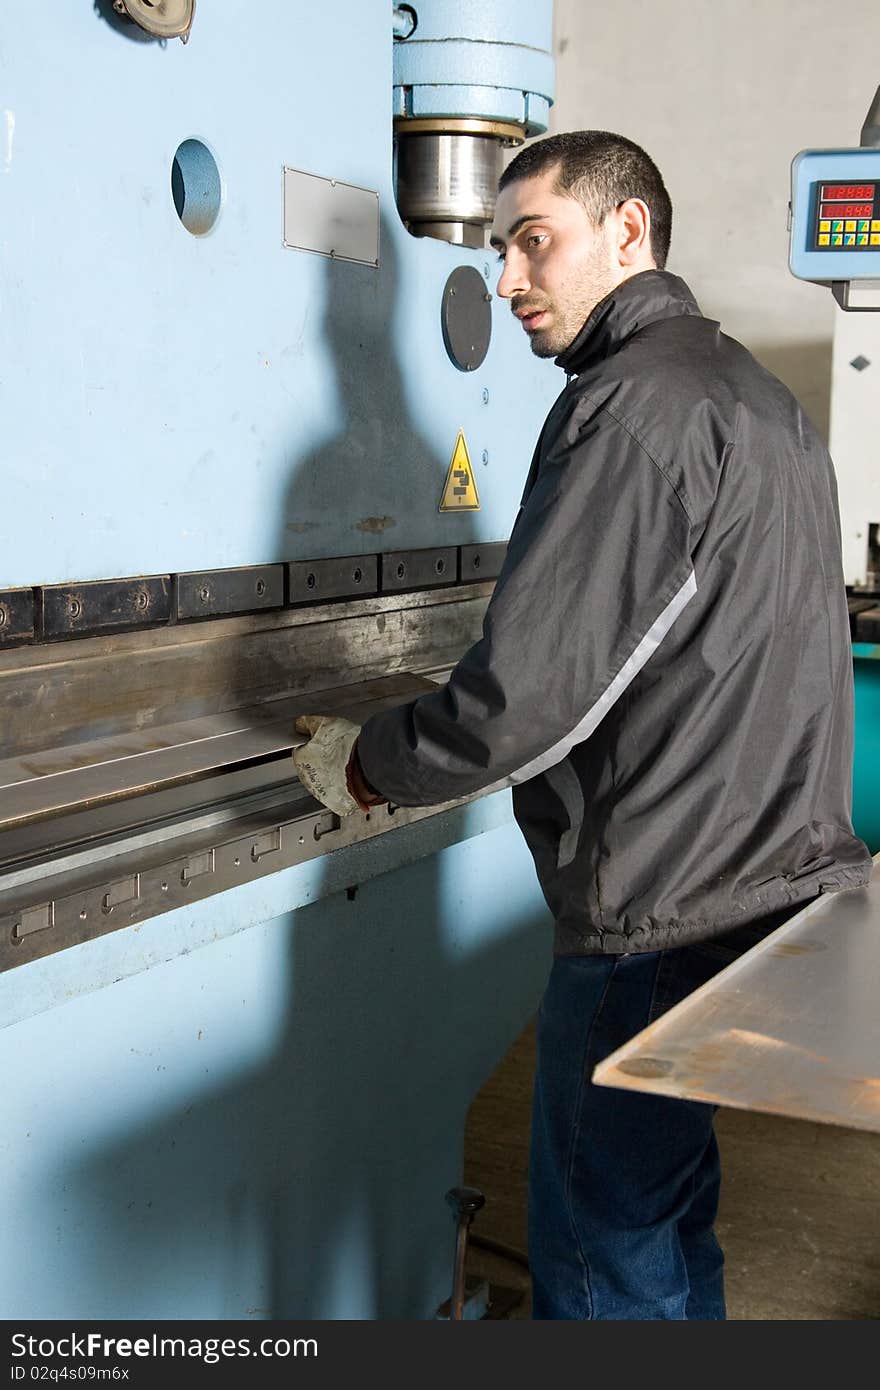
(634,233)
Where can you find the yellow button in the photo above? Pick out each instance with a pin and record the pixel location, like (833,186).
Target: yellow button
(825,240)
(824,226)
(837,240)
(875,239)
(875,226)
(850,227)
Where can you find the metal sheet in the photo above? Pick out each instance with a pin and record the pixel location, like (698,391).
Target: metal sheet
(60,901)
(85,836)
(87,690)
(331,217)
(106,770)
(791,1028)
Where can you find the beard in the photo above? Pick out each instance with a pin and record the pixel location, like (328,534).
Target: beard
(589,282)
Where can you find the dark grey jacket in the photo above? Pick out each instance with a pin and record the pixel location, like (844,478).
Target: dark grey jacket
(665,669)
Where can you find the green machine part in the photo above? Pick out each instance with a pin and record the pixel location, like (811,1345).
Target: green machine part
(866,762)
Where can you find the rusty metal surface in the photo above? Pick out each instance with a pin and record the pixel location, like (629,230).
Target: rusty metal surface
(91,688)
(143,770)
(70,610)
(16,616)
(45,614)
(209,593)
(791,1028)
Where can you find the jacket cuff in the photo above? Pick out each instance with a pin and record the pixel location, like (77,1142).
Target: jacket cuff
(357,784)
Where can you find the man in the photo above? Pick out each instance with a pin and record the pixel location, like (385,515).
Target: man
(665,676)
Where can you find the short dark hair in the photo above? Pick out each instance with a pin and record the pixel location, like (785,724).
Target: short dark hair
(600,170)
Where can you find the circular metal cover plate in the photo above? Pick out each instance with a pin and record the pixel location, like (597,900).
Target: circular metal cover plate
(466,316)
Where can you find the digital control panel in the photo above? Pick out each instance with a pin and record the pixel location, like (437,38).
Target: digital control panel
(846,215)
(835,216)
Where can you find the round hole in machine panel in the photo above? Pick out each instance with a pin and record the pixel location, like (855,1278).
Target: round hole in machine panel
(196,187)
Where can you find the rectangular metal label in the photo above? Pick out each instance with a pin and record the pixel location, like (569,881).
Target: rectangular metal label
(331,218)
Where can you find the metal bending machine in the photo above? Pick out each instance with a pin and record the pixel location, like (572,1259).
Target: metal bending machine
(265,427)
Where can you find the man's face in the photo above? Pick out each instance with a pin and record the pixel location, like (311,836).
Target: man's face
(557,263)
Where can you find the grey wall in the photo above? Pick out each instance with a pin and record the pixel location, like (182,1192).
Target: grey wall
(722,94)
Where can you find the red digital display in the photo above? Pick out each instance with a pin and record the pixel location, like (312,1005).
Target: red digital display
(847,190)
(846,210)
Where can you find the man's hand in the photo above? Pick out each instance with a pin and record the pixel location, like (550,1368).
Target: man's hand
(322,762)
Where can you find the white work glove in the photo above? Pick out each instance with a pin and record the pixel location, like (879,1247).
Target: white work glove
(322,762)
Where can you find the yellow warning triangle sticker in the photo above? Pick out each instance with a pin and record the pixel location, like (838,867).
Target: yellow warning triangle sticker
(460,488)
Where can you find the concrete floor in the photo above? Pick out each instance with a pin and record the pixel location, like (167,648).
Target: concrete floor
(800,1207)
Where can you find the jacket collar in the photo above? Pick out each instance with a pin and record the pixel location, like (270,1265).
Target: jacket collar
(646,297)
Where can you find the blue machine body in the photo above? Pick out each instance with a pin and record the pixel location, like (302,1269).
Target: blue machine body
(490,59)
(252,1107)
(845,184)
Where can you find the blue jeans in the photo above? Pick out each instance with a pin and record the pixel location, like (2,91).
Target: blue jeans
(623,1185)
